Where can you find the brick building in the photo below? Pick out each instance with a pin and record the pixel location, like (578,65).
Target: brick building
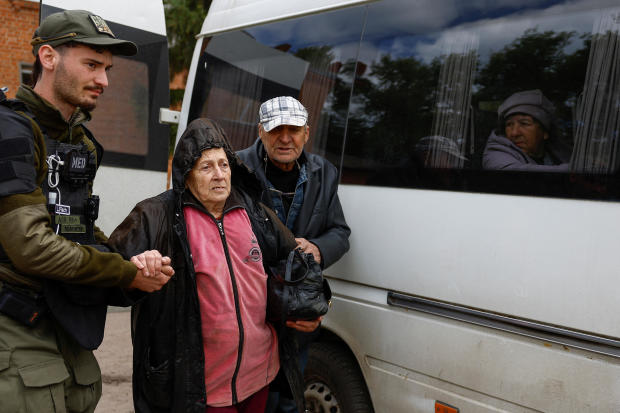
(18,20)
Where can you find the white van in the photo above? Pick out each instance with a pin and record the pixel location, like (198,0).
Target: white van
(126,121)
(465,289)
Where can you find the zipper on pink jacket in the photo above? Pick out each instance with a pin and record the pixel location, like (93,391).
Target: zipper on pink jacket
(220,227)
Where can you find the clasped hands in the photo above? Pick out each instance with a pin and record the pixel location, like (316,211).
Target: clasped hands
(154,271)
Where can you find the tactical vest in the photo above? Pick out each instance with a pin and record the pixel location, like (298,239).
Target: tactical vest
(80,309)
(71,171)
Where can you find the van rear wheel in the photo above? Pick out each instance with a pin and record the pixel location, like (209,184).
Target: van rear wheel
(334,382)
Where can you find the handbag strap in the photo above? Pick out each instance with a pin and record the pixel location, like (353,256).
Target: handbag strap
(289,266)
(286,291)
(289,270)
(287,281)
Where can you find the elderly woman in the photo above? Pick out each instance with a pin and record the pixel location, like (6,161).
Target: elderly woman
(203,343)
(525,140)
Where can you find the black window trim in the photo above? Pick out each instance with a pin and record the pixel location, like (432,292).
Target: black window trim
(532,329)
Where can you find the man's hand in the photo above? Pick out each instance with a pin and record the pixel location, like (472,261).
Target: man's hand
(305,325)
(154,271)
(309,248)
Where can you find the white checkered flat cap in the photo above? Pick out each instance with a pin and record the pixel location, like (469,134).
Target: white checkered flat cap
(283,110)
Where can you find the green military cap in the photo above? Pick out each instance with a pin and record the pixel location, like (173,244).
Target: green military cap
(79,26)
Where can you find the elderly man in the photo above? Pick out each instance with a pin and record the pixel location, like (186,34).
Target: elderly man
(53,266)
(525,141)
(301,187)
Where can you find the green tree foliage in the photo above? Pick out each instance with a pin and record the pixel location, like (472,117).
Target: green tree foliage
(529,62)
(183,21)
(319,57)
(395,104)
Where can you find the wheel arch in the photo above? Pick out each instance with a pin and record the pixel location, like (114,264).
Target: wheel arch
(327,335)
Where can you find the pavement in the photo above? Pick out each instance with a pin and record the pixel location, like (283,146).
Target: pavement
(114,356)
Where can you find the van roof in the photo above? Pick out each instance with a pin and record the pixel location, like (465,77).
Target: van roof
(147,15)
(225,15)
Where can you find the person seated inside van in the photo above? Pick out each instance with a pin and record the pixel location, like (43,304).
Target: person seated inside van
(439,152)
(525,139)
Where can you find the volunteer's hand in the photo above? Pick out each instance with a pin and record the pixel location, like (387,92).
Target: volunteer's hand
(154,271)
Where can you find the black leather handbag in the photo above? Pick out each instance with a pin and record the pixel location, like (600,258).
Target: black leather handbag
(296,289)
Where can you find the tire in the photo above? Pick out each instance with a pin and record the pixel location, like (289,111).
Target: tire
(334,382)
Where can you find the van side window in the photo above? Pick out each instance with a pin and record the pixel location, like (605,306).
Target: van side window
(501,97)
(440,86)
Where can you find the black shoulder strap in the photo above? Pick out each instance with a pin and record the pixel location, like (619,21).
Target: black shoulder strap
(98,146)
(15,105)
(22,109)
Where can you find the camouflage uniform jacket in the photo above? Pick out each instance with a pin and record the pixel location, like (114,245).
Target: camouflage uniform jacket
(31,251)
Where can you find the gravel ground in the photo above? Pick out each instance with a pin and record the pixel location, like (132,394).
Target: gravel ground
(114,357)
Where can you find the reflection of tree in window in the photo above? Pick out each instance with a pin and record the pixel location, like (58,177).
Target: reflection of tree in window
(392,105)
(597,122)
(534,60)
(339,107)
(318,83)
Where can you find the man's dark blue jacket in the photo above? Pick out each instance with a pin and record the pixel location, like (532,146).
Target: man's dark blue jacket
(320,220)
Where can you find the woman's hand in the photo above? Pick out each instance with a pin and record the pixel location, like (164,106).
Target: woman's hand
(306,326)
(152,263)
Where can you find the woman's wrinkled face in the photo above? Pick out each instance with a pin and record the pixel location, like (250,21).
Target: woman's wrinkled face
(527,134)
(209,180)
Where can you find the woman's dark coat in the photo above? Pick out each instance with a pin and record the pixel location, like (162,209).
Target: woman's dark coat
(168,358)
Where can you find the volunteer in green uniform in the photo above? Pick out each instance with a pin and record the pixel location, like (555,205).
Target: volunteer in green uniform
(56,275)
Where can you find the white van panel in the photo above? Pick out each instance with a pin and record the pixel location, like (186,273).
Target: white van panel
(227,15)
(129,13)
(410,359)
(120,189)
(487,251)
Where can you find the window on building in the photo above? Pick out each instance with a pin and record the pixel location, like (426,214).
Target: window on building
(25,73)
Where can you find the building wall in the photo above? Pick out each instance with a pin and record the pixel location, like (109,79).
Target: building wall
(18,20)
